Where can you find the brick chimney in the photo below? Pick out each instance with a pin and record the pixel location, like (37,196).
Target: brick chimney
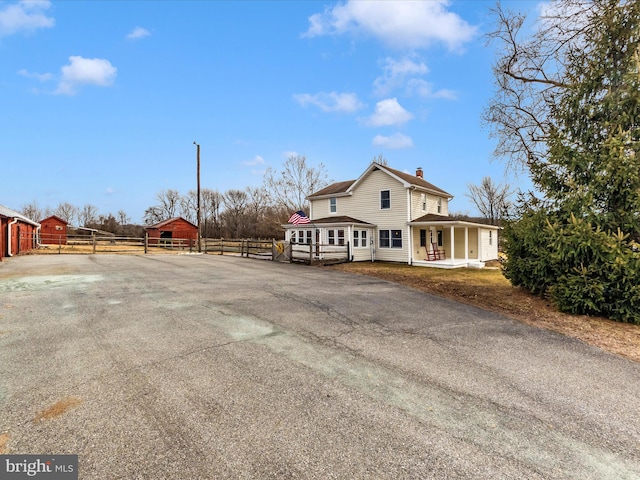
(419,172)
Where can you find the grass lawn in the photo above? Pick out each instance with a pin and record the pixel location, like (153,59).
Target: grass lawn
(487,288)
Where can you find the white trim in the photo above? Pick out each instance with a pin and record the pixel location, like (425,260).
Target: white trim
(380,199)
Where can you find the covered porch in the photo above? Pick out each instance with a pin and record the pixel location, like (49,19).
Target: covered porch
(440,242)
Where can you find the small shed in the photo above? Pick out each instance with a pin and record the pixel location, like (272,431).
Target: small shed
(18,233)
(176,231)
(53,231)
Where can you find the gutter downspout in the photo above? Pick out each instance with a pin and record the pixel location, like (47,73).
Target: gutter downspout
(409,229)
(15,220)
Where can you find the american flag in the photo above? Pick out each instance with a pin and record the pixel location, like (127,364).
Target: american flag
(298,218)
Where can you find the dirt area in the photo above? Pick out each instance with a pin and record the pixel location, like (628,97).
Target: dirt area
(487,288)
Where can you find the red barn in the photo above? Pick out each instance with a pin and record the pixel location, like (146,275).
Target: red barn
(53,231)
(17,233)
(176,228)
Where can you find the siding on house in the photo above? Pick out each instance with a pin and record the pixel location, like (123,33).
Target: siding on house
(459,243)
(361,199)
(489,251)
(432,204)
(366,205)
(473,244)
(363,202)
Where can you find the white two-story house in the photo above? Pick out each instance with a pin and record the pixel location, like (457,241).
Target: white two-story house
(390,215)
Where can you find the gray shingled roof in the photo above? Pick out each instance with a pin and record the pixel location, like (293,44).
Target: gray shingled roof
(413,180)
(7,212)
(338,187)
(340,219)
(342,187)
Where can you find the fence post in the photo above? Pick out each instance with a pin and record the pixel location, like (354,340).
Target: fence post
(310,254)
(59,244)
(146,242)
(94,243)
(348,252)
(221,245)
(191,245)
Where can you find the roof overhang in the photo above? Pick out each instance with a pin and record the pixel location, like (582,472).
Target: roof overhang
(454,223)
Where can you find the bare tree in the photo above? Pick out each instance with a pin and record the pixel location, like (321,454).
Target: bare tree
(492,200)
(257,203)
(380,159)
(531,75)
(66,212)
(88,216)
(153,215)
(123,218)
(290,187)
(168,207)
(236,203)
(33,211)
(189,206)
(169,202)
(211,203)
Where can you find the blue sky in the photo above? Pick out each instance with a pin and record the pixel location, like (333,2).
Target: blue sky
(101,101)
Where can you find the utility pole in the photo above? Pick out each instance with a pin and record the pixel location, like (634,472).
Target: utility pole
(198,201)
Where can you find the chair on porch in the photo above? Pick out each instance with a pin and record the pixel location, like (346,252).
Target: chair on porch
(435,253)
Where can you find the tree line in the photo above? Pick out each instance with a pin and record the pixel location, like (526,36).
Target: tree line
(255,212)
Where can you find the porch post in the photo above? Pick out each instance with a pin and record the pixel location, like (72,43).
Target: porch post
(453,256)
(410,233)
(466,243)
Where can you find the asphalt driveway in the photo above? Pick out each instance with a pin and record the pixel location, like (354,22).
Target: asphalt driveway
(209,367)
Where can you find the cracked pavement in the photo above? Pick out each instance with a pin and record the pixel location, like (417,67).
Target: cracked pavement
(208,367)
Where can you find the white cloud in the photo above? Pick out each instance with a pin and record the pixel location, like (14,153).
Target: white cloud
(25,16)
(395,141)
(388,112)
(138,33)
(109,191)
(42,77)
(425,89)
(396,72)
(85,71)
(258,160)
(402,24)
(330,102)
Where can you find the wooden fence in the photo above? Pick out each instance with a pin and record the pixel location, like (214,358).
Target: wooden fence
(320,253)
(267,249)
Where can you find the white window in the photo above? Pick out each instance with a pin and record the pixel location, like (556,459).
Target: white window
(385,199)
(360,238)
(439,205)
(423,200)
(301,236)
(333,205)
(490,237)
(335,237)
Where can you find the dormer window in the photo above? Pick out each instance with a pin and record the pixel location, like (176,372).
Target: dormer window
(385,199)
(333,205)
